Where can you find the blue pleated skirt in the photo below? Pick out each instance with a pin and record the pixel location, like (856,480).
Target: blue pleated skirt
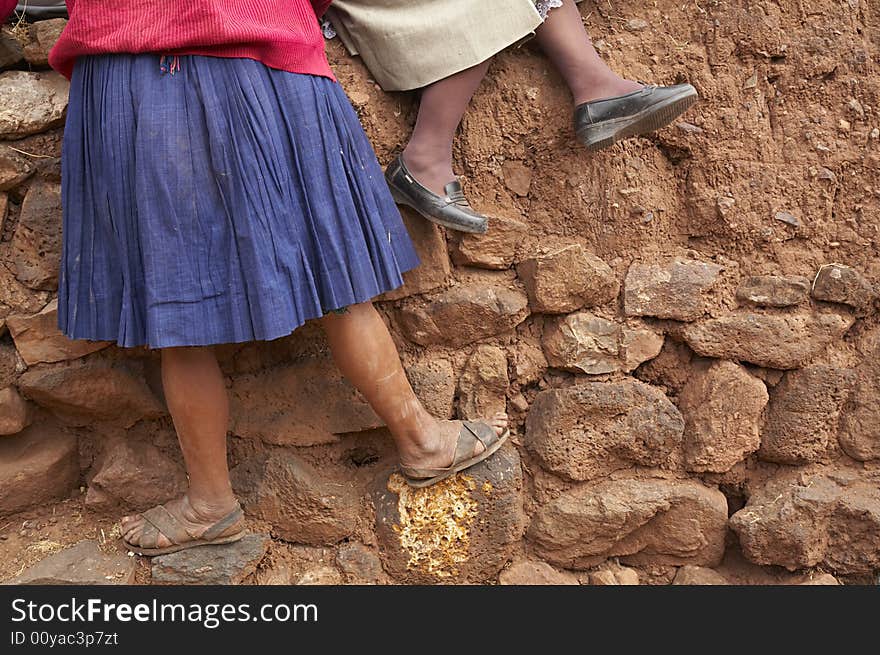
(227,202)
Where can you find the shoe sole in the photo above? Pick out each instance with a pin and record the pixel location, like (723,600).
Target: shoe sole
(648,120)
(401,200)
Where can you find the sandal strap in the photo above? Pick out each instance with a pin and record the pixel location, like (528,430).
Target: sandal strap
(166,523)
(470,433)
(220,527)
(150,536)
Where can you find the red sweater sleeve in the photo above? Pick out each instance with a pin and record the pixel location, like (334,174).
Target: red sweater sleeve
(8,6)
(320,6)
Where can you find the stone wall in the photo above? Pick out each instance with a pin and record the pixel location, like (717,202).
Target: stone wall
(683,328)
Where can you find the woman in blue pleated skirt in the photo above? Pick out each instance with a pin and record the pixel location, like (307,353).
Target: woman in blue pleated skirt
(213,200)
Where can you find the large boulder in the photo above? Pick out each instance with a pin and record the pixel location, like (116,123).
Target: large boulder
(42,36)
(722,407)
(482,388)
(37,241)
(498,249)
(39,340)
(567,279)
(31,102)
(38,465)
(81,394)
(584,342)
(463,314)
(830,518)
(300,503)
(462,529)
(648,521)
(804,410)
(771,340)
(676,289)
(588,430)
(227,564)
(134,474)
(278,405)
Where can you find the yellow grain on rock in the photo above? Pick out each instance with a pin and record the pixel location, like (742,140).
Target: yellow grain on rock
(435,522)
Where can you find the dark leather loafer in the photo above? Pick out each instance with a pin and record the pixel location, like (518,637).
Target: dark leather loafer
(602,122)
(451,210)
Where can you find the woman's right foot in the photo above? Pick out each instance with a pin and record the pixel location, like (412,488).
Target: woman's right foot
(450,210)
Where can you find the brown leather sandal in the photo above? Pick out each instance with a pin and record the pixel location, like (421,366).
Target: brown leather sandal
(471,432)
(159,521)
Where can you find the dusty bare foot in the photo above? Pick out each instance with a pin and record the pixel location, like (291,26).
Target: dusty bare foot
(441,452)
(195,520)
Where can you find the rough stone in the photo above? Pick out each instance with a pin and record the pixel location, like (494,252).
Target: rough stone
(31,102)
(14,414)
(43,35)
(293,496)
(430,245)
(269,405)
(320,575)
(675,290)
(39,340)
(698,575)
(462,529)
(564,280)
(16,298)
(433,381)
(227,564)
(82,564)
(530,572)
(37,240)
(774,290)
(670,369)
(614,574)
(498,249)
(800,520)
(38,465)
(483,385)
(859,425)
(802,418)
(586,431)
(584,342)
(771,340)
(359,564)
(81,394)
(4,205)
(529,362)
(722,407)
(10,48)
(845,285)
(640,521)
(15,168)
(463,314)
(134,474)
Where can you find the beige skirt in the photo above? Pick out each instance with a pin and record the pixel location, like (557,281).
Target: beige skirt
(408,44)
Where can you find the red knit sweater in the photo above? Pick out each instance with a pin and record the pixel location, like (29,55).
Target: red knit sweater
(282,34)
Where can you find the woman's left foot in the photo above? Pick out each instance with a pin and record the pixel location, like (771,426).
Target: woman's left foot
(600,123)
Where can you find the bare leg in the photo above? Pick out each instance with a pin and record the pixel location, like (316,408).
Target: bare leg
(199,406)
(366,355)
(566,43)
(428,155)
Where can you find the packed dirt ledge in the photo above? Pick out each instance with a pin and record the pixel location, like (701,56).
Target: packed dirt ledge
(684,329)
